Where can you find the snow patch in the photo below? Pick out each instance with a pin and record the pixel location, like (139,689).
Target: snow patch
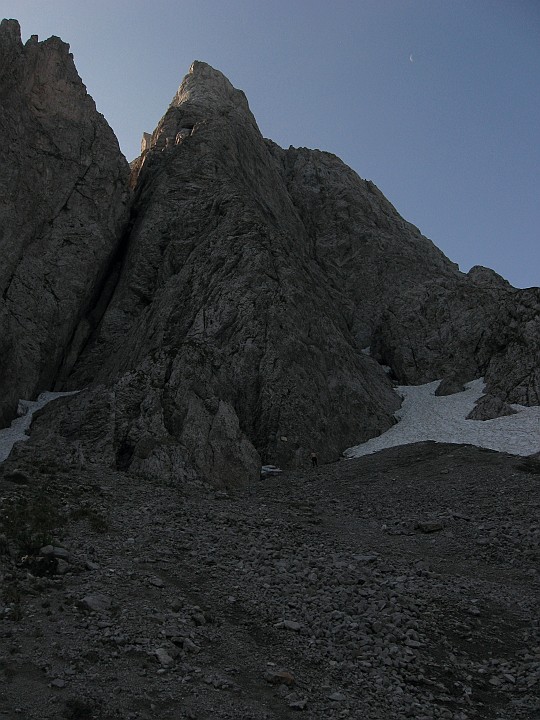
(424,416)
(20,426)
(267,470)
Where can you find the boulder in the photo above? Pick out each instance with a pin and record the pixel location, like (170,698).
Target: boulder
(489,407)
(450,385)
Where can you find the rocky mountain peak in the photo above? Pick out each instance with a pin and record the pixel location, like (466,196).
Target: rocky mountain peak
(45,72)
(486,276)
(11,42)
(204,95)
(11,47)
(223,326)
(204,85)
(238,310)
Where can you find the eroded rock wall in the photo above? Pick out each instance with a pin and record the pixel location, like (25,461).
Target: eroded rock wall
(465,329)
(421,317)
(223,318)
(361,243)
(63,204)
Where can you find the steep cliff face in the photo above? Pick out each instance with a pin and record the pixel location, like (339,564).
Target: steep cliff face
(223,319)
(63,201)
(419,314)
(362,244)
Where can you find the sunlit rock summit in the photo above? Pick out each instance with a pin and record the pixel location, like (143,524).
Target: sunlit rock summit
(214,317)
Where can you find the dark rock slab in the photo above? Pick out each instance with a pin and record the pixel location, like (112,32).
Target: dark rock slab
(485,331)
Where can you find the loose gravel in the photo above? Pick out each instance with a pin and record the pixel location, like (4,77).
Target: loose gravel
(398,585)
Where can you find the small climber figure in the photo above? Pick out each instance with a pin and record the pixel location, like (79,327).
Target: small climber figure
(314,460)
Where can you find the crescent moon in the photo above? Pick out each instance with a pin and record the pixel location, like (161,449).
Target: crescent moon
(411,59)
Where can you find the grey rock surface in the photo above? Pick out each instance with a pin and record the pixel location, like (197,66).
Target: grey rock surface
(489,407)
(224,337)
(461,329)
(365,249)
(63,201)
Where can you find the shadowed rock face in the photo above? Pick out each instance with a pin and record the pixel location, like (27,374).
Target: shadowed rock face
(465,330)
(364,247)
(420,315)
(63,199)
(229,330)
(223,319)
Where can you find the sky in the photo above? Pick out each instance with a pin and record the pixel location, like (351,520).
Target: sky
(436,101)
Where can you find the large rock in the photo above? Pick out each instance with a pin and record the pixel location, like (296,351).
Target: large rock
(489,407)
(450,385)
(63,201)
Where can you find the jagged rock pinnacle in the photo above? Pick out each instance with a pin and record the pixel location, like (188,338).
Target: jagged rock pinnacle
(204,93)
(209,87)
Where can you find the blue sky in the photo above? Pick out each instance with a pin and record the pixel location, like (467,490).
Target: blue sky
(436,101)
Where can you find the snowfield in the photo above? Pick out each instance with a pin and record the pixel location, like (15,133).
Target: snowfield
(20,426)
(424,416)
